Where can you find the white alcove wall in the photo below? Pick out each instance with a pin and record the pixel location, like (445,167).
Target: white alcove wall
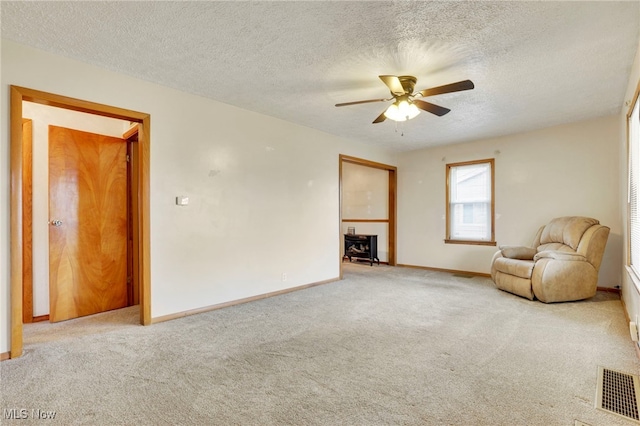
(365,196)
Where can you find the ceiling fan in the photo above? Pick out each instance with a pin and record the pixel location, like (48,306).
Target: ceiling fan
(405,105)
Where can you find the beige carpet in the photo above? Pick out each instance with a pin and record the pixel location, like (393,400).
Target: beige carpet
(383,346)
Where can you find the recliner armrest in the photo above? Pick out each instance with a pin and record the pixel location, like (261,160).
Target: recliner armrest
(518,252)
(559,255)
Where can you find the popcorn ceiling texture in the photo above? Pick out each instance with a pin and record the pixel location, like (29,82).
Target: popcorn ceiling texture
(534,64)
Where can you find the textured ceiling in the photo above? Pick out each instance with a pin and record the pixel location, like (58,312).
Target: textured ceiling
(534,64)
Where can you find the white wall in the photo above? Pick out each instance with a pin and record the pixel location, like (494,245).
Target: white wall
(43,116)
(259,187)
(630,290)
(365,195)
(560,171)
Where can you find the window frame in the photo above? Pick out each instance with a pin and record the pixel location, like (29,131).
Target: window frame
(633,270)
(448,239)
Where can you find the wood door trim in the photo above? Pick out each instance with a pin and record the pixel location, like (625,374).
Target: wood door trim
(27,220)
(142,243)
(65,102)
(141,218)
(340,237)
(16,250)
(393,197)
(133,131)
(366,220)
(41,318)
(367,163)
(393,188)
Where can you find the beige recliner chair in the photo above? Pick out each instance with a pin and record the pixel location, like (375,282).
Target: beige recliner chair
(562,264)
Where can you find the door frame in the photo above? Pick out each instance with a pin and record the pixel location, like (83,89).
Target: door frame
(140,197)
(393,188)
(27,220)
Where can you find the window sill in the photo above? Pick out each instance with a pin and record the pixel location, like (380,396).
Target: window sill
(633,277)
(471,242)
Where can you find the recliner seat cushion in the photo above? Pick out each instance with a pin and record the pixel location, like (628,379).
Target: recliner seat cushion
(555,247)
(516,267)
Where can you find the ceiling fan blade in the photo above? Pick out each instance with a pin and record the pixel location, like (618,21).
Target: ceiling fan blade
(362,102)
(432,108)
(380,118)
(393,83)
(448,88)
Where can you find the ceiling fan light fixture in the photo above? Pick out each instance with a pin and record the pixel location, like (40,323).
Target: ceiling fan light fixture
(393,113)
(402,110)
(405,107)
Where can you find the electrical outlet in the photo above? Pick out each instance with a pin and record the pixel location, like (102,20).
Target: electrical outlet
(284,276)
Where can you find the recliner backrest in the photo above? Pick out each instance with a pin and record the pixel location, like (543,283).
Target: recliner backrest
(566,231)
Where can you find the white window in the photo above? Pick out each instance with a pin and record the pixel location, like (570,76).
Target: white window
(634,186)
(470,206)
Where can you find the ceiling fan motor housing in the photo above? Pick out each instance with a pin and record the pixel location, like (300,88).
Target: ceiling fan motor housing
(408,83)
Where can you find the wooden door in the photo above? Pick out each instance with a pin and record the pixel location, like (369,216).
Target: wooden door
(88,223)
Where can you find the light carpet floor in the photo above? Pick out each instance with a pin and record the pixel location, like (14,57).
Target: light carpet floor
(384,346)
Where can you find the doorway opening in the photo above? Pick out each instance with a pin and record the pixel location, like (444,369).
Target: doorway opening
(138,180)
(381,216)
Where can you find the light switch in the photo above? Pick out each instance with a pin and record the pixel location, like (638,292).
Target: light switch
(182,201)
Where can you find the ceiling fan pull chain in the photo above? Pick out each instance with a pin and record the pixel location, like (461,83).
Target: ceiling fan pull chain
(401,127)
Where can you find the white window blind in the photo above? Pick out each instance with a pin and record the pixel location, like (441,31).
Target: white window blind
(634,187)
(470,193)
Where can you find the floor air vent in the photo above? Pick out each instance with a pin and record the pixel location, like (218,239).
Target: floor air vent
(618,393)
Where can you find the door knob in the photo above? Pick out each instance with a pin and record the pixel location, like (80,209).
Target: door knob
(56,222)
